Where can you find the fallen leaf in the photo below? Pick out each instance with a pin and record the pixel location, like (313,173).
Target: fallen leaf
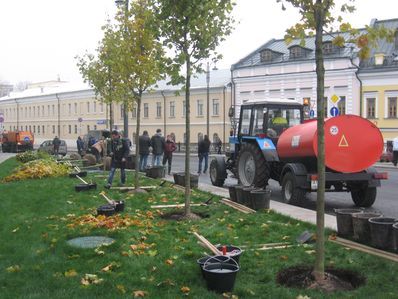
(303,297)
(70,273)
(139,293)
(185,290)
(121,288)
(310,251)
(89,279)
(169,262)
(15,230)
(167,282)
(13,269)
(284,257)
(285,237)
(152,253)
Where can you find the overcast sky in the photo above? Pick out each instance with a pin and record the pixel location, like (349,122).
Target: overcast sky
(40,38)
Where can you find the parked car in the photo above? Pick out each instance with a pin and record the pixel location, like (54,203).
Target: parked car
(48,147)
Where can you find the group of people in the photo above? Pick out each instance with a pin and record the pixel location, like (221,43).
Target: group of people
(161,147)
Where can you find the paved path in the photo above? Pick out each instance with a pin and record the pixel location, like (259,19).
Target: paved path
(5,156)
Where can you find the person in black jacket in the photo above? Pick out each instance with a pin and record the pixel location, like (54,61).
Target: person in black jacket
(144,144)
(203,153)
(158,144)
(119,151)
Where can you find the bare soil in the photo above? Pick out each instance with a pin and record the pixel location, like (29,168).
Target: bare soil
(335,279)
(179,216)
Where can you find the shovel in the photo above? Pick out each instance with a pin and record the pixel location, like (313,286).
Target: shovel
(117,204)
(85,186)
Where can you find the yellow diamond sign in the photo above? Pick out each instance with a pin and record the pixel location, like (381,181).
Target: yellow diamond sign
(334,99)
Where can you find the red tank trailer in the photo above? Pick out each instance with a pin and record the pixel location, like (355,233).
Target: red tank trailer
(352,143)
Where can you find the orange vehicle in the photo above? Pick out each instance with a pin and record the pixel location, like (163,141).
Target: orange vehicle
(14,142)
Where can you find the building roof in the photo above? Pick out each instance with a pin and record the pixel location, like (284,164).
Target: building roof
(389,50)
(218,78)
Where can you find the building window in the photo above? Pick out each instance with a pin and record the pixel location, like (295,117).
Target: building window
(34,129)
(30,128)
(95,127)
(88,128)
(172,109)
(184,108)
(38,129)
(216,107)
(371,108)
(341,106)
(75,129)
(327,48)
(75,108)
(34,111)
(53,129)
(42,110)
(70,129)
(134,112)
(48,110)
(265,55)
(296,52)
(42,129)
(392,107)
(95,107)
(69,109)
(102,107)
(88,107)
(199,107)
(158,109)
(38,110)
(146,110)
(53,110)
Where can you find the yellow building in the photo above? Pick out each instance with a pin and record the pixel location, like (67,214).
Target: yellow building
(55,108)
(379,77)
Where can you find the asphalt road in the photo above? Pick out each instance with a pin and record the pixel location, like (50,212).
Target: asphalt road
(386,202)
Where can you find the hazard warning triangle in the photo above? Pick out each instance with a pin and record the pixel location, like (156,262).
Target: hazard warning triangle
(343,142)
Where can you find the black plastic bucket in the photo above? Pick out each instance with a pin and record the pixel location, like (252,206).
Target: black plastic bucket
(107,210)
(260,199)
(85,187)
(232,251)
(119,205)
(232,192)
(360,225)
(381,232)
(344,221)
(246,196)
(239,194)
(80,174)
(201,262)
(395,236)
(220,274)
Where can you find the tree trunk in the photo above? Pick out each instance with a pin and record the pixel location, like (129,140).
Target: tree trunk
(110,117)
(187,139)
(137,141)
(319,268)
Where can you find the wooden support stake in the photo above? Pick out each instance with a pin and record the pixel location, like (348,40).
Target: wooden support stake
(210,246)
(239,205)
(110,201)
(176,206)
(364,248)
(133,188)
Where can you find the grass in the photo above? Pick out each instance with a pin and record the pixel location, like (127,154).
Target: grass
(36,262)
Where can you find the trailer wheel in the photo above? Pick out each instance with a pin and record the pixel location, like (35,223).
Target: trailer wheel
(364,197)
(217,173)
(253,170)
(290,192)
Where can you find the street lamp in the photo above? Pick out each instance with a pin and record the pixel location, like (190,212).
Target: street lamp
(119,4)
(208,97)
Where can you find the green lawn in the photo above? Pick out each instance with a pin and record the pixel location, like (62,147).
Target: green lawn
(36,262)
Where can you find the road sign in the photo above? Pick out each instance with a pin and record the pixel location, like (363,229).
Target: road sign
(312,113)
(80,119)
(101,122)
(334,111)
(335,99)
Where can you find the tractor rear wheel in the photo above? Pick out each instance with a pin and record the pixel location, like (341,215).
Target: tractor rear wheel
(253,170)
(364,197)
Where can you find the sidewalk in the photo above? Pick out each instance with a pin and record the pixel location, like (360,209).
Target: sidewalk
(279,207)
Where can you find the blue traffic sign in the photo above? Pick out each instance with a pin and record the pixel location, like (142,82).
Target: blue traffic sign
(334,111)
(312,113)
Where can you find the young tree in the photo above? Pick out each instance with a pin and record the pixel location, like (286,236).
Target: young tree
(193,29)
(99,70)
(317,18)
(140,62)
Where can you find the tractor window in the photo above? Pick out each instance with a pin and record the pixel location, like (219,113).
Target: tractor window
(245,124)
(280,119)
(258,120)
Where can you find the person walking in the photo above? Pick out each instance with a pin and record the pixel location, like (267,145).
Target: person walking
(144,145)
(203,153)
(119,151)
(56,144)
(169,148)
(157,143)
(395,151)
(80,145)
(219,145)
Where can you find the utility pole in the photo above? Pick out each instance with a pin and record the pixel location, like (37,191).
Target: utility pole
(208,100)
